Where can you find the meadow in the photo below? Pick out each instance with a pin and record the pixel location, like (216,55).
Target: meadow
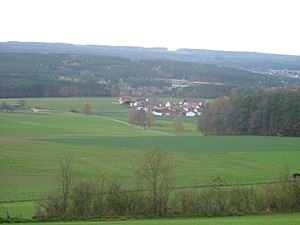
(280,219)
(31,145)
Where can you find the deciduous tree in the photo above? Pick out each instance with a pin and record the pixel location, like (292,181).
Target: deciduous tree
(150,119)
(177,124)
(155,169)
(87,109)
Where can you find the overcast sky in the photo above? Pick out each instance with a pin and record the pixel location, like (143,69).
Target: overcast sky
(271,26)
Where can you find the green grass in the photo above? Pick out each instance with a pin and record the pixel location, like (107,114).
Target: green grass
(284,219)
(17,209)
(32,143)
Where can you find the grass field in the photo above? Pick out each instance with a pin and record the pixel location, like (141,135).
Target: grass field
(285,219)
(32,143)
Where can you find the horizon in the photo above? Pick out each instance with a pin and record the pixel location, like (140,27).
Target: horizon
(154,47)
(238,26)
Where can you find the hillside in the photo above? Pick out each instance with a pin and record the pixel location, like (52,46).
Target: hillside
(49,75)
(247,60)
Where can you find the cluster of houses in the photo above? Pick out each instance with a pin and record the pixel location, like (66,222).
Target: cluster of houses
(188,107)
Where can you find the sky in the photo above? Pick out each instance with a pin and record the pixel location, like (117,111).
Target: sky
(270,26)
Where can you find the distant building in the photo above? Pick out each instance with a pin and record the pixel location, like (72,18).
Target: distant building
(125,100)
(190,114)
(189,107)
(180,83)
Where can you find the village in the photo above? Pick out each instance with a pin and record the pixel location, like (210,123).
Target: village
(188,107)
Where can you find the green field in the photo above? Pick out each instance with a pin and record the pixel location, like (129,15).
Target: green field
(285,219)
(32,143)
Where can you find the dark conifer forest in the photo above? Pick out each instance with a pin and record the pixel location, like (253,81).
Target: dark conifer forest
(275,112)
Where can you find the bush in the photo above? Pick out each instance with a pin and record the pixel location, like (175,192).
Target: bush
(51,206)
(83,198)
(154,195)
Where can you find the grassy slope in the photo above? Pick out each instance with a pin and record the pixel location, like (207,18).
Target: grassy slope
(32,143)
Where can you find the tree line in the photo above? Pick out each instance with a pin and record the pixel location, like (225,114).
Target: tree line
(275,112)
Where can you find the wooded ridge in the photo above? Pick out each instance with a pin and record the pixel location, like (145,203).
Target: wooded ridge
(51,75)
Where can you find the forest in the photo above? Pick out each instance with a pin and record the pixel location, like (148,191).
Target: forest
(66,75)
(275,112)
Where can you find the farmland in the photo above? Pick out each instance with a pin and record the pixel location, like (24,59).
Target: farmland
(284,219)
(31,145)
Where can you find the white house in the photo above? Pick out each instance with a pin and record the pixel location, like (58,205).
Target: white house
(190,114)
(157,113)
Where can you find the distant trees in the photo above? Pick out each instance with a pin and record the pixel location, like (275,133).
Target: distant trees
(137,117)
(65,75)
(205,91)
(6,107)
(211,119)
(141,117)
(274,112)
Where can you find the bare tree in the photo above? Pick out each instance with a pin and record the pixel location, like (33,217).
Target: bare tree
(150,119)
(56,202)
(131,116)
(66,175)
(155,169)
(177,124)
(105,178)
(137,117)
(87,109)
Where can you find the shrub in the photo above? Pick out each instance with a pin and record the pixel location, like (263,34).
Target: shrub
(83,198)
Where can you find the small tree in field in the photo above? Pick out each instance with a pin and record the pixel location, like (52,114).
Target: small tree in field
(150,119)
(177,124)
(137,117)
(87,109)
(66,175)
(155,169)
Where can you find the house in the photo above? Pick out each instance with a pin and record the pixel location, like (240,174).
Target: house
(190,114)
(165,111)
(195,101)
(157,113)
(200,83)
(179,83)
(189,107)
(125,100)
(36,110)
(168,104)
